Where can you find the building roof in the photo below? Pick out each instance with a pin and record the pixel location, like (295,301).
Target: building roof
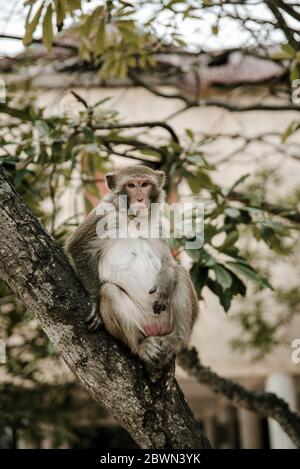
(174,66)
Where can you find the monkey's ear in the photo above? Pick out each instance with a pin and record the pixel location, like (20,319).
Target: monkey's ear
(111,180)
(161,178)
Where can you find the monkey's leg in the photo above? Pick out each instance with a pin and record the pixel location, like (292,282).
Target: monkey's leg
(184,306)
(183,310)
(121,318)
(120,315)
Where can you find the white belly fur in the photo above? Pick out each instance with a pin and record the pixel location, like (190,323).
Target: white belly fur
(133,265)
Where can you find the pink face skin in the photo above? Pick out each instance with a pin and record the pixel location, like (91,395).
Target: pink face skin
(138,191)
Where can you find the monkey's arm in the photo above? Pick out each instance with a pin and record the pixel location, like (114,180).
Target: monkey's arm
(165,282)
(85,261)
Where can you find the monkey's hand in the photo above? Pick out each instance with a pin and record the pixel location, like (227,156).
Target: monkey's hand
(162,299)
(94,320)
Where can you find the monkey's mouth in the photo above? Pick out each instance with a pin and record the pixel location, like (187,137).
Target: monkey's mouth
(138,210)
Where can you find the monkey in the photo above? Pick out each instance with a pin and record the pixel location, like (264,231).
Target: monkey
(141,295)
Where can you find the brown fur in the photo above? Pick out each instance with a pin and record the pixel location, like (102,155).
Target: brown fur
(174,300)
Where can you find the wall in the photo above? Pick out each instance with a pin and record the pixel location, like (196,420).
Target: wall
(214,329)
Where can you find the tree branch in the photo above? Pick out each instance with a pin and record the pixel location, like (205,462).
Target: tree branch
(22,114)
(212,102)
(284,212)
(265,404)
(289,9)
(39,41)
(139,81)
(281,23)
(135,125)
(150,406)
(251,107)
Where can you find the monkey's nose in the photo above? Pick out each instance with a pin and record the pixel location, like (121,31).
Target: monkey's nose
(140,200)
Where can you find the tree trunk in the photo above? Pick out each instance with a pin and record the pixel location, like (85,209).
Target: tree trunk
(152,408)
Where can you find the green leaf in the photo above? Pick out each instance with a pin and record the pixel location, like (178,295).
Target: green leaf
(180,42)
(88,133)
(276,244)
(246,218)
(289,50)
(293,127)
(279,228)
(232,212)
(238,287)
(60,13)
(199,277)
(121,69)
(206,258)
(32,25)
(199,180)
(225,297)
(279,55)
(56,151)
(74,5)
(102,101)
(209,232)
(150,152)
(7,162)
(230,241)
(250,273)
(215,29)
(42,127)
(223,276)
(43,155)
(190,134)
(173,2)
(238,182)
(294,71)
(100,38)
(270,233)
(195,159)
(48,28)
(253,210)
(201,256)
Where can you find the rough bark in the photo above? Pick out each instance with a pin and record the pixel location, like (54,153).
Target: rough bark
(265,404)
(151,407)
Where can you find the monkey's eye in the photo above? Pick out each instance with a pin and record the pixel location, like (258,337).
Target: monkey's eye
(145,184)
(130,185)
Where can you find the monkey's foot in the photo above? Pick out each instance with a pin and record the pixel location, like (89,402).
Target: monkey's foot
(93,320)
(155,350)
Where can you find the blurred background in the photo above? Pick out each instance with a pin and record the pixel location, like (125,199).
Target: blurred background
(211,93)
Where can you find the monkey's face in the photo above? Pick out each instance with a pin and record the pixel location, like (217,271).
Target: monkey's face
(138,190)
(141,185)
